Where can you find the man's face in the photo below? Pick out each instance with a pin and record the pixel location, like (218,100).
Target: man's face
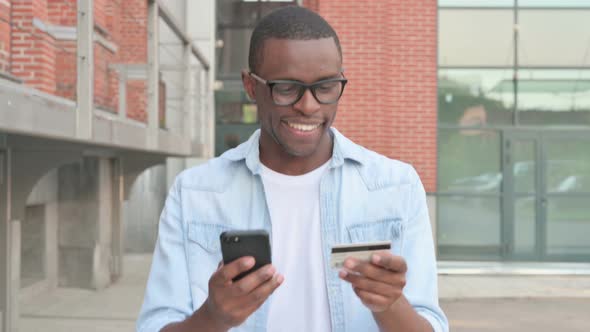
(301,129)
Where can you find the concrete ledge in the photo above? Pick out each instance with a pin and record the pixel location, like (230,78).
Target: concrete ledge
(521,286)
(512,268)
(29,112)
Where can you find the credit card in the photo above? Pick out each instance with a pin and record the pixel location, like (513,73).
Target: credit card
(361,251)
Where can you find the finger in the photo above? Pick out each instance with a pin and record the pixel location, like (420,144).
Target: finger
(260,294)
(372,299)
(226,273)
(253,280)
(389,261)
(370,270)
(252,302)
(369,285)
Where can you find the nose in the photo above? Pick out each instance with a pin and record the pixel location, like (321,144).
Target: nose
(307,104)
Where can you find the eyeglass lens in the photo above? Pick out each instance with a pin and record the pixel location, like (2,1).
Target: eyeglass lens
(289,93)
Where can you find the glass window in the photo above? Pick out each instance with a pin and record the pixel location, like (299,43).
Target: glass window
(524,166)
(472,222)
(568,226)
(234,107)
(554,38)
(525,220)
(554,97)
(234,13)
(228,136)
(469,161)
(567,166)
(476,3)
(554,3)
(236,118)
(475,97)
(471,37)
(233,56)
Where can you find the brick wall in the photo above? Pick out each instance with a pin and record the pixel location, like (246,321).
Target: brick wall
(33,50)
(136,100)
(42,62)
(133,30)
(65,62)
(5,36)
(390,103)
(62,12)
(105,79)
(100,13)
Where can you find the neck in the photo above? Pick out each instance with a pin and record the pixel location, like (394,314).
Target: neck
(274,156)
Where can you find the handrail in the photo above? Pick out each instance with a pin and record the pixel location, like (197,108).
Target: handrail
(165,14)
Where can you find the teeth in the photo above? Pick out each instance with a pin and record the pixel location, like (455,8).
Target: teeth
(303,127)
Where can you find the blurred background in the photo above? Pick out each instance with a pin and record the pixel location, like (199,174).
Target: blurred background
(103,102)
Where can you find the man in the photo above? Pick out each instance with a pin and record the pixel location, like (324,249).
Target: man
(310,188)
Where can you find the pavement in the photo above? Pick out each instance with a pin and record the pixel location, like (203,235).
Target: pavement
(507,303)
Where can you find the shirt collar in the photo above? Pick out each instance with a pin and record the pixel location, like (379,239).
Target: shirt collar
(344,149)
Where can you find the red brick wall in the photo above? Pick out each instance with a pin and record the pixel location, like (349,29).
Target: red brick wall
(105,79)
(65,62)
(134,31)
(50,65)
(390,103)
(33,51)
(62,12)
(5,36)
(113,13)
(136,101)
(100,13)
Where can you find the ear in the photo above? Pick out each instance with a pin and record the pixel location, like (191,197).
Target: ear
(249,84)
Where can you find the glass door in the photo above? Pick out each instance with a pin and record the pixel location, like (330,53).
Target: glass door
(522,199)
(546,196)
(566,179)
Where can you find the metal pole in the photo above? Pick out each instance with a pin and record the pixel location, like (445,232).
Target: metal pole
(515,70)
(153,74)
(188,100)
(123,92)
(5,243)
(85,63)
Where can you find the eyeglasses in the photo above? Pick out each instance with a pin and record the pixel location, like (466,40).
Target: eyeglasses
(288,92)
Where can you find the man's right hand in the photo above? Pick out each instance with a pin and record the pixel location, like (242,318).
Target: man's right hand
(230,303)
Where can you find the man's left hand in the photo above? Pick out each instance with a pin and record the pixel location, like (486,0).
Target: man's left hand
(378,282)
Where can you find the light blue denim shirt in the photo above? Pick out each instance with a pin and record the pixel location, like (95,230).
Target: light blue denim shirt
(363,197)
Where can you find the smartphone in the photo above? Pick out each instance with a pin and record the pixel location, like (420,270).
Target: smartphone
(236,244)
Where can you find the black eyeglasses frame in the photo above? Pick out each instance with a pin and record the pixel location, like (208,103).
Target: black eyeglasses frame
(311,87)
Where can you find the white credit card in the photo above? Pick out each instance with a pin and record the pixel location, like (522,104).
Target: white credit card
(361,251)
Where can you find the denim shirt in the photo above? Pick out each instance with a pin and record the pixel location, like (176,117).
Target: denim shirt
(364,197)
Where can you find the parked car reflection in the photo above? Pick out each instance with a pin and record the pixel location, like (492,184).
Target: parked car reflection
(561,176)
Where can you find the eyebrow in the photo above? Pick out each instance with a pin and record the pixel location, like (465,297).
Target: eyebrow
(296,80)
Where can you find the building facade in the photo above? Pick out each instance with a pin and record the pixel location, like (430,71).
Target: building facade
(93,94)
(489,100)
(514,130)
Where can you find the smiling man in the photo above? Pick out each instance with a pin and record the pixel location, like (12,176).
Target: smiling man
(311,188)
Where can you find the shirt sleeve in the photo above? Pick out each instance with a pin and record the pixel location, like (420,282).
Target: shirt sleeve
(167,297)
(421,288)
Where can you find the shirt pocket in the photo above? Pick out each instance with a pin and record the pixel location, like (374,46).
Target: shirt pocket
(381,230)
(203,251)
(206,236)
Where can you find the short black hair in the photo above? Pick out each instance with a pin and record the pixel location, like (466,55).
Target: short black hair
(291,22)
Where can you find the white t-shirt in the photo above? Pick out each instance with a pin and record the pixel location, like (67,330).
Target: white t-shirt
(301,302)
